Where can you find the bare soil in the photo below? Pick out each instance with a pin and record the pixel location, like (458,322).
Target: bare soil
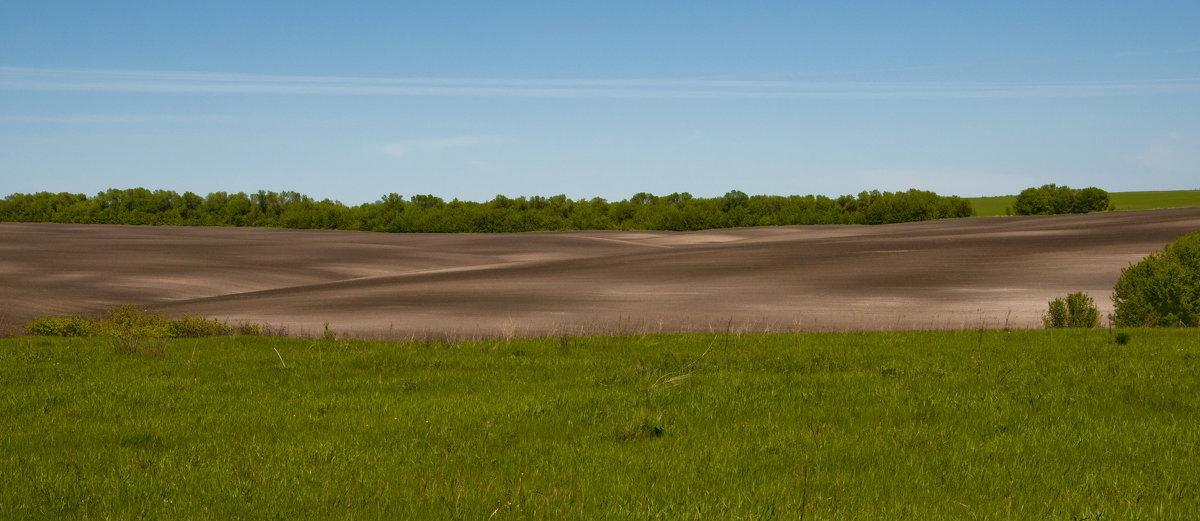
(952,274)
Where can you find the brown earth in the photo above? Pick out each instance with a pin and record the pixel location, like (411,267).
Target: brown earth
(966,273)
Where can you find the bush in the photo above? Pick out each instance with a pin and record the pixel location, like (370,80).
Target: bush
(1163,290)
(60,326)
(127,318)
(132,330)
(145,340)
(251,330)
(197,326)
(130,326)
(1076,310)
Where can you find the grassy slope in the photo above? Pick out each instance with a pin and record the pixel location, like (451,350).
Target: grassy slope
(1156,200)
(1125,201)
(921,425)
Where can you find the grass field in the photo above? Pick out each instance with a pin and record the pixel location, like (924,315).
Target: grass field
(1125,201)
(1026,424)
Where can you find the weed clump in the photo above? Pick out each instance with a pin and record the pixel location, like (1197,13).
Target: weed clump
(642,431)
(641,427)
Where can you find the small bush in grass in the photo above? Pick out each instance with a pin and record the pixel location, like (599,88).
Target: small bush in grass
(129,327)
(196,326)
(1076,310)
(146,339)
(126,318)
(60,326)
(251,330)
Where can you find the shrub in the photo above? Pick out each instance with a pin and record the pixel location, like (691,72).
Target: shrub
(129,327)
(196,326)
(128,318)
(1163,289)
(147,340)
(60,326)
(1076,310)
(251,330)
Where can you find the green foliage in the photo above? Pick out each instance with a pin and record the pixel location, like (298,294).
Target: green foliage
(1163,289)
(1052,199)
(195,326)
(1091,199)
(1058,315)
(428,213)
(61,326)
(934,425)
(253,330)
(1076,310)
(146,340)
(129,326)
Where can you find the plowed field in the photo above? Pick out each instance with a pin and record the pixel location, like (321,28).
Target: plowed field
(966,273)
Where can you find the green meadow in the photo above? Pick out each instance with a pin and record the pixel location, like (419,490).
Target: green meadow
(1125,201)
(1028,424)
(1155,200)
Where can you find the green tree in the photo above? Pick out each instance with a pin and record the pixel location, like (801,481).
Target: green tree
(1163,289)
(1091,199)
(1034,201)
(1052,199)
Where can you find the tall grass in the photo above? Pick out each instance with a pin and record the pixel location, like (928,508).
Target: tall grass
(1045,424)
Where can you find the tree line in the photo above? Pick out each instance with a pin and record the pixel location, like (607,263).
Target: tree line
(428,213)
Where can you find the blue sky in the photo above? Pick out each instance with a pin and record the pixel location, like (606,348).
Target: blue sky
(598,99)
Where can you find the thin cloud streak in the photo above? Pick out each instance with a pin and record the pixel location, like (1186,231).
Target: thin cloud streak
(403,148)
(115,119)
(182,82)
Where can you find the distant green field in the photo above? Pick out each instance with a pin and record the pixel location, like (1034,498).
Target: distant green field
(1125,201)
(1042,424)
(1155,200)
